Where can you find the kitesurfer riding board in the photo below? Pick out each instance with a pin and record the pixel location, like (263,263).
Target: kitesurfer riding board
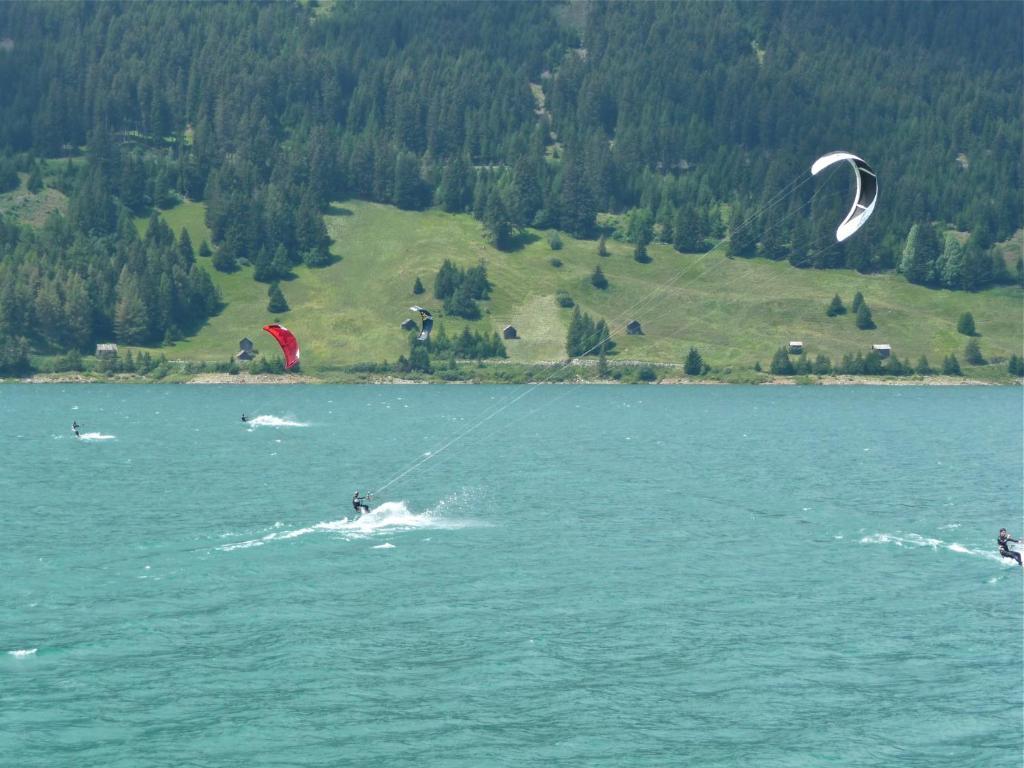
(243,418)
(75,428)
(358,502)
(1004,546)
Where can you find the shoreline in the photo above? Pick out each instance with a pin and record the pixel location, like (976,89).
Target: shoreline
(223,379)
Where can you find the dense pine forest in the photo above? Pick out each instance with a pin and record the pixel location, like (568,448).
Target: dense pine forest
(691,118)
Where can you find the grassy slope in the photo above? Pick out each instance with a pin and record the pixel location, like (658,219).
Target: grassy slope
(32,208)
(734,311)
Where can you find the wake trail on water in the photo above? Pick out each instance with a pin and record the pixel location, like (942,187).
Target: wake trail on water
(916,540)
(90,436)
(273,421)
(387,518)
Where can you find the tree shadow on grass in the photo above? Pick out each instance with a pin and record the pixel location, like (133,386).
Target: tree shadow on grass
(522,240)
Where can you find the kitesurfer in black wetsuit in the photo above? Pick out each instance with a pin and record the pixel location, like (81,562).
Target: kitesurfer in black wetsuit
(1004,546)
(74,428)
(358,502)
(243,417)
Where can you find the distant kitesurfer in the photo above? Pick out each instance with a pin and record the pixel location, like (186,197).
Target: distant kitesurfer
(1004,546)
(75,428)
(243,417)
(358,502)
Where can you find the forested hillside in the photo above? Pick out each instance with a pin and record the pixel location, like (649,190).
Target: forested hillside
(688,117)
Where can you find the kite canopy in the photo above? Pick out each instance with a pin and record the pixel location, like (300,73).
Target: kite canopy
(288,342)
(427,322)
(867,191)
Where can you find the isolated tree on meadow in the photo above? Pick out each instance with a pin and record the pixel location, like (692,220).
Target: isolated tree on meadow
(864,320)
(276,303)
(597,279)
(694,364)
(835,307)
(972,352)
(965,324)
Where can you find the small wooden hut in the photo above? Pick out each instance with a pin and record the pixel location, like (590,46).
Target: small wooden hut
(408,324)
(245,350)
(633,328)
(509,332)
(106,350)
(883,350)
(796,347)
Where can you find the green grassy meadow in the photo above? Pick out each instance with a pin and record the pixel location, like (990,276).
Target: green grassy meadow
(734,311)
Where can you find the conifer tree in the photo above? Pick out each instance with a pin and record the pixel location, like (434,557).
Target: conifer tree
(417,287)
(280,265)
(872,364)
(858,299)
(597,278)
(497,222)
(446,280)
(781,364)
(949,267)
(977,267)
(35,179)
(131,322)
(864,320)
(694,364)
(185,251)
(263,270)
(951,366)
(276,302)
(686,232)
(965,324)
(742,239)
(835,307)
(602,248)
(972,352)
(78,312)
(477,284)
(576,335)
(800,244)
(461,304)
(920,254)
(923,367)
(407,182)
(525,196)
(223,261)
(578,208)
(772,247)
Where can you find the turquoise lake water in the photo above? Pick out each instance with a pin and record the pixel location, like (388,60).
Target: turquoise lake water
(594,576)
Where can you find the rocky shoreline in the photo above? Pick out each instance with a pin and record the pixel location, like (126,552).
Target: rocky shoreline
(276,379)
